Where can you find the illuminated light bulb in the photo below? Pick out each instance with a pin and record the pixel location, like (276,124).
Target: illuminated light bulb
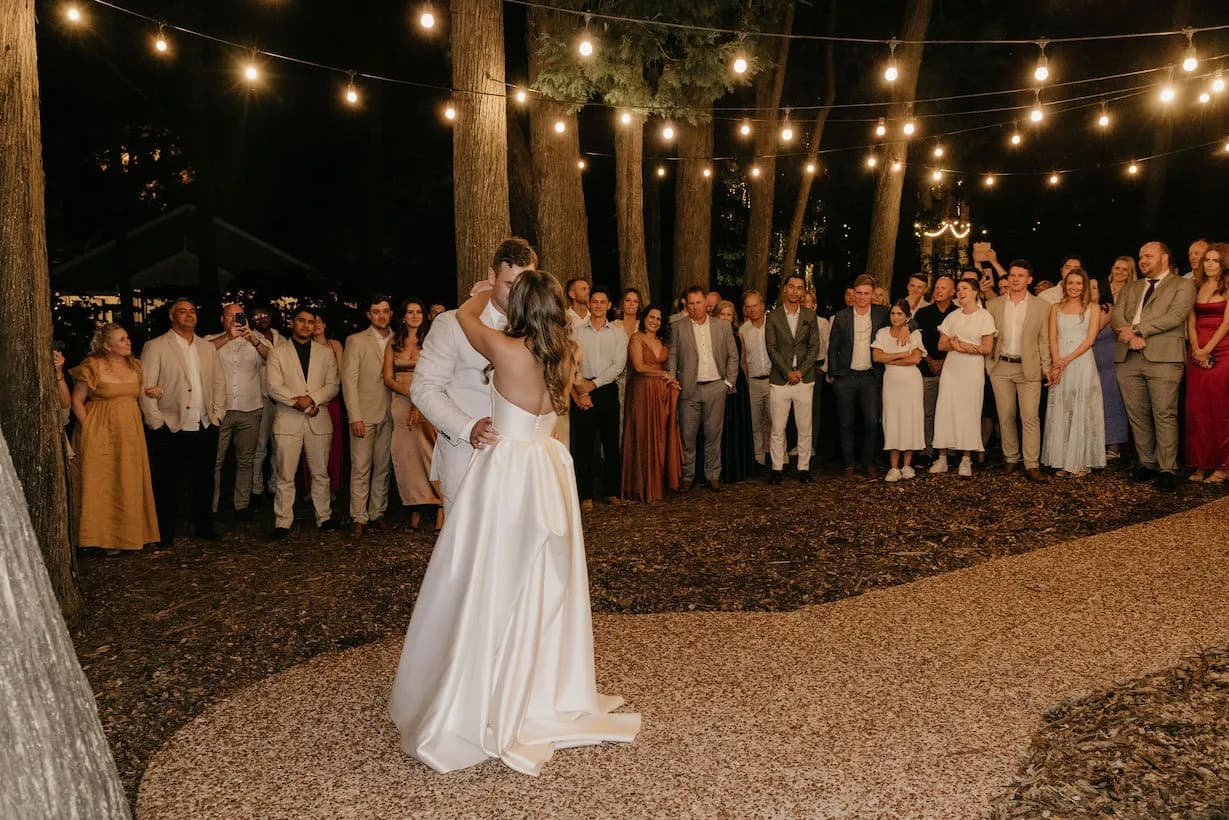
(938,152)
(351,95)
(871,162)
(739,65)
(787,134)
(1168,93)
(1218,82)
(810,168)
(1104,121)
(1042,72)
(667,132)
(1227,147)
(892,72)
(427,18)
(161,45)
(520,96)
(585,48)
(755,171)
(745,128)
(560,126)
(988,181)
(1190,61)
(1036,115)
(626,118)
(661,171)
(1053,179)
(1016,139)
(936,175)
(1132,169)
(450,113)
(1205,98)
(909,128)
(881,129)
(896,166)
(251,73)
(580,163)
(707,172)
(73,14)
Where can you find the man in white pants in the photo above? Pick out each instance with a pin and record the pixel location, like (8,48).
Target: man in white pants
(759,366)
(371,421)
(792,337)
(450,386)
(302,380)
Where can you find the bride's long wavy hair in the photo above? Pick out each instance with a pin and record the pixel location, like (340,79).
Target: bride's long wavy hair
(537,313)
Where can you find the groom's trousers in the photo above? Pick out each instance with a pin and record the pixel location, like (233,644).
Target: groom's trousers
(600,422)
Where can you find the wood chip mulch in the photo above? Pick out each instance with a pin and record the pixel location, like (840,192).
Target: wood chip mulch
(167,633)
(1154,747)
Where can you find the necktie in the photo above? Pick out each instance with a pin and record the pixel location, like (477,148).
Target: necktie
(1148,292)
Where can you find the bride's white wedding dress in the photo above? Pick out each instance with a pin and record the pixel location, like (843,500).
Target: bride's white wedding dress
(498,659)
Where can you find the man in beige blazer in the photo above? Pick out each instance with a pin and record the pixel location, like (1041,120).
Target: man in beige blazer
(1017,365)
(183,400)
(302,380)
(371,422)
(1150,320)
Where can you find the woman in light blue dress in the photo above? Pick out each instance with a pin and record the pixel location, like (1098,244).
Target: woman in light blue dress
(1117,426)
(1074,437)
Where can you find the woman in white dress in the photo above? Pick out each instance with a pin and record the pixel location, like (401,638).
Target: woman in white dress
(1075,414)
(968,336)
(904,419)
(498,658)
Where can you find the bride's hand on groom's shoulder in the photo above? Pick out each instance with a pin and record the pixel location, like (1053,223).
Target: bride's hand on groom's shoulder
(483,286)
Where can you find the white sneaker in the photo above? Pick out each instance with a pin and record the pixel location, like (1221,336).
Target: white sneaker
(892,476)
(966,468)
(939,465)
(907,472)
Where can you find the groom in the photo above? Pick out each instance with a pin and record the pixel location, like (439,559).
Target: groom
(449,388)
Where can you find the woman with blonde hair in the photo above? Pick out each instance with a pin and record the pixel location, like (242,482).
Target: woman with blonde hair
(117,496)
(498,658)
(1074,437)
(1122,271)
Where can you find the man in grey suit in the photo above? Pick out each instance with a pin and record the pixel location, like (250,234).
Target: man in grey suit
(1150,319)
(792,337)
(704,360)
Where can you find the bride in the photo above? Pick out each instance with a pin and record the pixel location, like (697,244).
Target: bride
(498,658)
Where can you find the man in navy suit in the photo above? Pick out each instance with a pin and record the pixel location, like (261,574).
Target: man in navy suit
(856,379)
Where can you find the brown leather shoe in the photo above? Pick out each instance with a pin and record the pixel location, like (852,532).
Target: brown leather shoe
(586,505)
(356,530)
(684,485)
(714,485)
(1034,475)
(1011,467)
(377,524)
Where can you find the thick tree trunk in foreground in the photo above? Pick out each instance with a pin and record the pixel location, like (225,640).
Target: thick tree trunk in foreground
(629,207)
(55,759)
(563,227)
(29,409)
(523,209)
(653,193)
(885,213)
(693,207)
(768,87)
(479,140)
(789,258)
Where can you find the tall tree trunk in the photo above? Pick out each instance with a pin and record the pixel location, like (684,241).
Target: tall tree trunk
(652,235)
(693,205)
(629,206)
(55,758)
(789,258)
(479,139)
(523,208)
(768,87)
(563,227)
(29,410)
(885,213)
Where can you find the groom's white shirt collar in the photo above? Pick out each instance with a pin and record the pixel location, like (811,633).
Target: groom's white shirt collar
(492,318)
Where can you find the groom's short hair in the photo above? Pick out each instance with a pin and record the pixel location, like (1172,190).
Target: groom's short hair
(516,253)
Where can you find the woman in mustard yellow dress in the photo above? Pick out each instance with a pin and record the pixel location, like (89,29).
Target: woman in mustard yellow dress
(117,496)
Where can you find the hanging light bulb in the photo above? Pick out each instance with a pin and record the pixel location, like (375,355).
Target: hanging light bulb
(1016,139)
(871,161)
(1042,72)
(1104,119)
(938,152)
(1168,93)
(661,170)
(739,64)
(585,45)
(72,13)
(1036,114)
(936,175)
(520,96)
(1227,146)
(1133,169)
(892,70)
(745,128)
(426,19)
(450,112)
(755,171)
(896,166)
(161,44)
(251,71)
(626,118)
(581,164)
(667,132)
(810,168)
(1205,98)
(1218,81)
(787,130)
(881,128)
(1053,179)
(909,127)
(560,126)
(707,172)
(350,94)
(988,181)
(1189,60)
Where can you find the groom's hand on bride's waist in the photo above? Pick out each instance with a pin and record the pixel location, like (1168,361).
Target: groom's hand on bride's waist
(483,433)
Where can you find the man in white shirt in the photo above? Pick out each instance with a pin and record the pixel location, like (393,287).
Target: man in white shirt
(916,287)
(261,320)
(758,368)
(792,338)
(183,400)
(595,404)
(371,424)
(857,380)
(577,290)
(242,358)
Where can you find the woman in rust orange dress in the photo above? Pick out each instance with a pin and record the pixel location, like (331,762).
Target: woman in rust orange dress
(652,447)
(413,435)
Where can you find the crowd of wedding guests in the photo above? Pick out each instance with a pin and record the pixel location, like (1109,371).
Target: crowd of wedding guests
(1066,372)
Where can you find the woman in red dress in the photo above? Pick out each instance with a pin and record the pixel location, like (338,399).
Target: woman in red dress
(1207,370)
(652,446)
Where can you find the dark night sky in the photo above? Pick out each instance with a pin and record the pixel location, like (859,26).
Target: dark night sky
(366,196)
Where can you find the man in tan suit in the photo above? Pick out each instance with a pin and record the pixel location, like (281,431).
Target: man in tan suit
(183,401)
(371,423)
(1150,320)
(1017,365)
(302,379)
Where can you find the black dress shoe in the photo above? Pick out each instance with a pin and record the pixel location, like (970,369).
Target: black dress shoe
(1166,482)
(244,515)
(279,533)
(1141,474)
(329,524)
(774,478)
(207,532)
(804,477)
